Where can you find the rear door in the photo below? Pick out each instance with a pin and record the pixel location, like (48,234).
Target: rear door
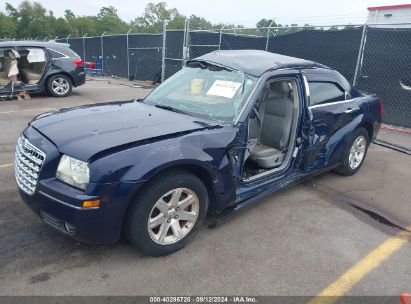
(330,109)
(33,64)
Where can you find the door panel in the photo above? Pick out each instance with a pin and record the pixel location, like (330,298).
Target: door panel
(327,124)
(327,120)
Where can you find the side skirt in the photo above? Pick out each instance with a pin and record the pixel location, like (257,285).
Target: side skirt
(291,180)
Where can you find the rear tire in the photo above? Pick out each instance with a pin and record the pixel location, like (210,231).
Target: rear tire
(59,86)
(355,153)
(164,215)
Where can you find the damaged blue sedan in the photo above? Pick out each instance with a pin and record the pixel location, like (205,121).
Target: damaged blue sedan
(227,130)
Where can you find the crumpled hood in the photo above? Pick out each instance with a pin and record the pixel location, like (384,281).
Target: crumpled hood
(84,131)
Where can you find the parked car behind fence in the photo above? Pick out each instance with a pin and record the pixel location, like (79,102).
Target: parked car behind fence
(35,67)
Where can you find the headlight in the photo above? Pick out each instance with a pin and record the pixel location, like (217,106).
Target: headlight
(73,172)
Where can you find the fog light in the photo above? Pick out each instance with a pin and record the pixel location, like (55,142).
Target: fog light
(91,204)
(70,229)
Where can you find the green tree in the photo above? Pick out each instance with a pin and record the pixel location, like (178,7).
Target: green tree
(61,27)
(7,26)
(199,23)
(69,15)
(264,23)
(309,27)
(154,15)
(85,25)
(32,20)
(109,21)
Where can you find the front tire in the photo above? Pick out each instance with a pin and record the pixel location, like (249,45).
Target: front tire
(59,86)
(164,215)
(355,153)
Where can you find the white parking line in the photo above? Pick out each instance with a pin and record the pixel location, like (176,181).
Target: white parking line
(356,273)
(28,110)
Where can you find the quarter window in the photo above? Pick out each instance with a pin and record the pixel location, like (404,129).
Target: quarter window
(55,55)
(325,92)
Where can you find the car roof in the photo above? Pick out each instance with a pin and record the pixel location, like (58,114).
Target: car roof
(255,62)
(31,43)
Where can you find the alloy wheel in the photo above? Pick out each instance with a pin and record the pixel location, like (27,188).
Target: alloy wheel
(357,152)
(173,216)
(60,86)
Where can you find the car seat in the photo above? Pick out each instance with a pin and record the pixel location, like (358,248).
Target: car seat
(277,113)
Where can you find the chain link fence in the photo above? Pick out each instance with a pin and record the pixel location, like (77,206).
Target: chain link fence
(133,56)
(374,58)
(385,68)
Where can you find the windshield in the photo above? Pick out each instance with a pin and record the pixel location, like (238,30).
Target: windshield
(204,91)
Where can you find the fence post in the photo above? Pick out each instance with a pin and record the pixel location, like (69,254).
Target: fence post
(84,48)
(360,54)
(163,59)
(102,52)
(185,38)
(221,37)
(128,55)
(268,35)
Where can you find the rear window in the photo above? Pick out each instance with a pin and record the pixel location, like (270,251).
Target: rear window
(61,52)
(54,54)
(325,92)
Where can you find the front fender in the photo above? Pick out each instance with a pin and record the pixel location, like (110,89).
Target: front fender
(204,150)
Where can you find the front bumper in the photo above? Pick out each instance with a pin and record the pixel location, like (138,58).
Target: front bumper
(60,206)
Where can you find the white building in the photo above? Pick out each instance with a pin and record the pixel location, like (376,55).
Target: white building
(390,16)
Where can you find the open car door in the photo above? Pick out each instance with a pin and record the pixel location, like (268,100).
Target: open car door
(8,71)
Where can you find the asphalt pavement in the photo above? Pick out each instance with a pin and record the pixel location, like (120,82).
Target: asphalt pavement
(299,241)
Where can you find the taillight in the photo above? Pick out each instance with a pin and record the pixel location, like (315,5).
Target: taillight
(78,62)
(381,108)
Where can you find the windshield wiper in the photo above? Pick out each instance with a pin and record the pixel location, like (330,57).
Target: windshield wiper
(169,108)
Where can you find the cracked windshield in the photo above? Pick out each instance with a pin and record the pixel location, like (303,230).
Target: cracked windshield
(204,91)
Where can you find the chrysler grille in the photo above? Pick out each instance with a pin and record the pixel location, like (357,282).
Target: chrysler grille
(27,163)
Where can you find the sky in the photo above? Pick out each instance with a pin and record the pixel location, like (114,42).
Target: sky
(247,13)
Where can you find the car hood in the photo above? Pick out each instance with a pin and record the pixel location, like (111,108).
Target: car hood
(84,131)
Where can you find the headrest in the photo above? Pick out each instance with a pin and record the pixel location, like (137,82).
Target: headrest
(280,87)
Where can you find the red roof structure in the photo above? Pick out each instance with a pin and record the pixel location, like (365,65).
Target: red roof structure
(377,8)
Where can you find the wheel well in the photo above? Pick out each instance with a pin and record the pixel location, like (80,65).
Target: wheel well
(196,170)
(370,130)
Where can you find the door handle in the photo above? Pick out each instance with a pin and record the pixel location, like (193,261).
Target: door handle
(349,110)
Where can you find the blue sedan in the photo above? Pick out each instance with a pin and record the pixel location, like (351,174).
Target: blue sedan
(227,130)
